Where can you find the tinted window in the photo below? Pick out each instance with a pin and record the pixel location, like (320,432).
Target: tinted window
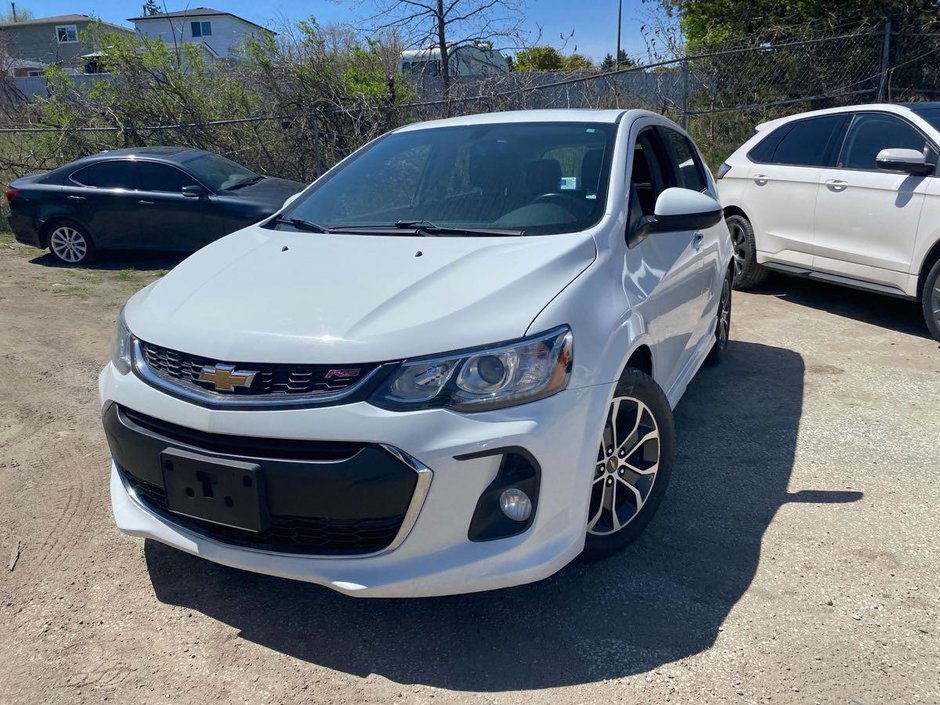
(763,152)
(538,177)
(870,133)
(807,142)
(648,177)
(689,172)
(160,177)
(109,175)
(219,173)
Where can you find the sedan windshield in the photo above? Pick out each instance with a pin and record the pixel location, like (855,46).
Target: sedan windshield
(537,178)
(219,173)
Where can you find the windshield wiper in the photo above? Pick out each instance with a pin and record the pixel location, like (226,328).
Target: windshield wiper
(301,224)
(245,182)
(429,228)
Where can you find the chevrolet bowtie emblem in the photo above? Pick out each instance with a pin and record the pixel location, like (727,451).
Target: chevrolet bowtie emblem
(225,377)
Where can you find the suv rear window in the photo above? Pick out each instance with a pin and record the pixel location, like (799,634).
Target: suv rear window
(801,143)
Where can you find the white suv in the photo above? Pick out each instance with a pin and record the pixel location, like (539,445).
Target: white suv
(448,365)
(848,195)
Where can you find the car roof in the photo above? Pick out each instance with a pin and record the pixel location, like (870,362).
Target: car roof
(896,108)
(165,154)
(521,116)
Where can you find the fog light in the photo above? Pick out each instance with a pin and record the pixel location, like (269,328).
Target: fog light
(515,504)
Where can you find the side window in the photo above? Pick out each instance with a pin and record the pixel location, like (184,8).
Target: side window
(689,172)
(160,177)
(118,175)
(808,142)
(870,133)
(647,178)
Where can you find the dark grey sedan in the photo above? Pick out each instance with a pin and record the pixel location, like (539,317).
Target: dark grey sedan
(148,198)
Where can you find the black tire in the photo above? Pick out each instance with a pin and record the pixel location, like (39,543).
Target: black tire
(930,300)
(70,243)
(722,322)
(747,272)
(652,453)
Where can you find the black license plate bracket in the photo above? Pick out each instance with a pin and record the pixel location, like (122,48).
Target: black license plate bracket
(217,490)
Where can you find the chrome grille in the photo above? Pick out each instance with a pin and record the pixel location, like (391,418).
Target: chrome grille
(270,380)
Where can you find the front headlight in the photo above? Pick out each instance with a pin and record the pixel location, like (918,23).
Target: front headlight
(480,380)
(121,348)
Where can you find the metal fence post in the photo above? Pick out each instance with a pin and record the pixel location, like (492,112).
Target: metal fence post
(685,94)
(885,58)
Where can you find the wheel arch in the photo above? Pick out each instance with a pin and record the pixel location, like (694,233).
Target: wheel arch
(640,359)
(51,221)
(930,259)
(735,210)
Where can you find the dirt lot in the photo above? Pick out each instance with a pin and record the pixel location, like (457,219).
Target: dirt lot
(796,558)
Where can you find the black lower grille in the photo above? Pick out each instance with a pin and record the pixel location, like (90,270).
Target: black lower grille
(305,535)
(268,379)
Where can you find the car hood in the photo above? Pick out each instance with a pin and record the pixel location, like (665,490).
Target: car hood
(261,295)
(270,190)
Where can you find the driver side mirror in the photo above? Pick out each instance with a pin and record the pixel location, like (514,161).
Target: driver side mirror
(677,209)
(195,191)
(909,161)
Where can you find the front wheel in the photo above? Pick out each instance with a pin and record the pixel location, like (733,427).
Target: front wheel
(635,459)
(722,323)
(930,300)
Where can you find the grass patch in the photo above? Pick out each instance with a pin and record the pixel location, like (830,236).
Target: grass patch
(125,275)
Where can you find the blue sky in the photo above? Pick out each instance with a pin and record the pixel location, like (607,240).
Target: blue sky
(594,21)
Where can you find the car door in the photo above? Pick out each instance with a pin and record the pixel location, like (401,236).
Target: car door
(169,219)
(783,180)
(103,198)
(664,267)
(688,171)
(867,218)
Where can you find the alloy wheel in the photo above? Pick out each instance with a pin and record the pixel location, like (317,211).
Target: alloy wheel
(626,467)
(68,244)
(935,301)
(723,332)
(739,247)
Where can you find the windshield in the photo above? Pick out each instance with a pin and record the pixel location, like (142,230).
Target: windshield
(219,173)
(539,178)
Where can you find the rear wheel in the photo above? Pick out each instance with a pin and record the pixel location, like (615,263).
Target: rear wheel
(635,459)
(747,272)
(70,243)
(930,300)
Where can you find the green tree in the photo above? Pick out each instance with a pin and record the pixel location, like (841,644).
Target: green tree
(546,58)
(152,8)
(609,64)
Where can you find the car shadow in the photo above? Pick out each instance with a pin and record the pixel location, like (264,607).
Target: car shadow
(662,599)
(901,315)
(115,260)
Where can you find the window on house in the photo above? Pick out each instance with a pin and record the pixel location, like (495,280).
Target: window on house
(66,34)
(201,29)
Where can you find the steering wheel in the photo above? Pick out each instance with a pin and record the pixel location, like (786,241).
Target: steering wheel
(569,203)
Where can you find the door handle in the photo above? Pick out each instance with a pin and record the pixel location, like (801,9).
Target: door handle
(761,179)
(145,203)
(76,198)
(697,241)
(836,184)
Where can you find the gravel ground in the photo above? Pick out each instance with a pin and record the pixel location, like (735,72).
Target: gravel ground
(794,560)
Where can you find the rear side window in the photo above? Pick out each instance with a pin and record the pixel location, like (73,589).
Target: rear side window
(108,175)
(160,177)
(805,143)
(870,133)
(689,172)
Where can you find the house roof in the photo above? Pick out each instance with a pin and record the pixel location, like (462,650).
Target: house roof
(61,19)
(196,12)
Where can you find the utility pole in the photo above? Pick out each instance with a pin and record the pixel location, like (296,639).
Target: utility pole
(13,7)
(619,22)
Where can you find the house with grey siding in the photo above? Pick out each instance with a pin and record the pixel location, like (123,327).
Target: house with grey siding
(49,40)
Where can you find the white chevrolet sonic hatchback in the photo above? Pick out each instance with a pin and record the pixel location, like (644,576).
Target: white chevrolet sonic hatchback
(447,366)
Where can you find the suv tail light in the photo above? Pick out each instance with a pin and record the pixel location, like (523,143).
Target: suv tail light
(722,170)
(11,194)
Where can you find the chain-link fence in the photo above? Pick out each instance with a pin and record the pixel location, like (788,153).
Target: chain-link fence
(719,97)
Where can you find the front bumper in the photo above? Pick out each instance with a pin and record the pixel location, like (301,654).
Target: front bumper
(436,557)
